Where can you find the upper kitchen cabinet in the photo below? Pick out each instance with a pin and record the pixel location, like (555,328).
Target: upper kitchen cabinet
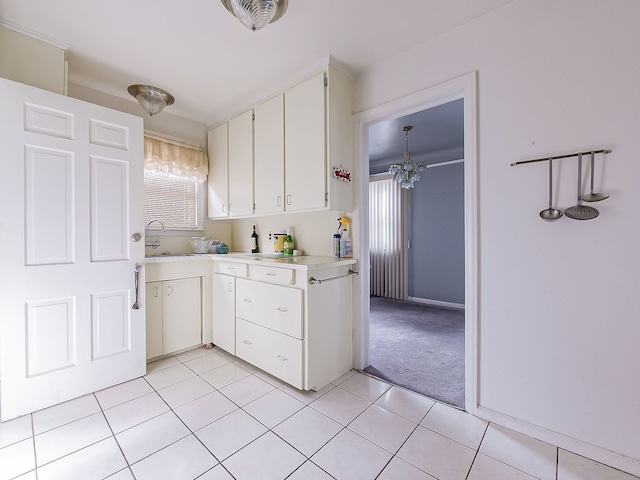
(318,140)
(33,62)
(269,156)
(217,182)
(241,165)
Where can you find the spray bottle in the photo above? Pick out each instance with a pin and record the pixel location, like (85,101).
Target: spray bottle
(336,242)
(345,241)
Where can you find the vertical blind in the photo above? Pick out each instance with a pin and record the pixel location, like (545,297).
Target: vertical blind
(387,239)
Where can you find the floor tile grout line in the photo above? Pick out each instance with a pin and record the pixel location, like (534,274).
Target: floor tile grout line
(475,456)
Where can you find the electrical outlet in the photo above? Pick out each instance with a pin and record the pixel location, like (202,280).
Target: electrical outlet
(271,235)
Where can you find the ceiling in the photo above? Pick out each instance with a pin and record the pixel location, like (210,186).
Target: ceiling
(212,64)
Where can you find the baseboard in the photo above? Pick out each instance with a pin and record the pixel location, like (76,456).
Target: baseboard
(599,454)
(437,303)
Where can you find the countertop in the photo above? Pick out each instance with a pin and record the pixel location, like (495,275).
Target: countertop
(257,258)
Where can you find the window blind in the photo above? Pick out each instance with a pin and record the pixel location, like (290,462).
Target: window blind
(172,200)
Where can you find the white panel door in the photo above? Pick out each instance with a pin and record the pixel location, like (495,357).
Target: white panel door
(181,314)
(218,179)
(224,316)
(70,202)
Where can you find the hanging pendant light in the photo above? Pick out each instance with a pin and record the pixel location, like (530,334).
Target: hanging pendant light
(256,14)
(151,99)
(407,172)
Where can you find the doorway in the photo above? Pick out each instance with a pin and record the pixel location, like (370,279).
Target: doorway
(463,89)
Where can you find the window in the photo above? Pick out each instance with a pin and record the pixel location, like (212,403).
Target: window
(172,200)
(174,176)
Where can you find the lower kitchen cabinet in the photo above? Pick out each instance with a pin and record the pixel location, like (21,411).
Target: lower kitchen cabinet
(174,315)
(283,320)
(224,299)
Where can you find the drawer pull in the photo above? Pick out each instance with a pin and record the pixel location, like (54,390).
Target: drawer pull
(282,357)
(231,269)
(271,274)
(247,300)
(247,342)
(282,309)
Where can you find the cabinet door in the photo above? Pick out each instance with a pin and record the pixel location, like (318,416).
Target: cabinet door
(224,321)
(275,307)
(217,182)
(305,145)
(153,300)
(241,165)
(269,156)
(273,352)
(182,314)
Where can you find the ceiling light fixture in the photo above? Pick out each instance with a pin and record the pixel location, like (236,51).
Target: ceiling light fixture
(151,99)
(407,172)
(256,14)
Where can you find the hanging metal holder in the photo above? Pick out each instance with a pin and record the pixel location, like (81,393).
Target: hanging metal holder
(314,281)
(558,157)
(579,211)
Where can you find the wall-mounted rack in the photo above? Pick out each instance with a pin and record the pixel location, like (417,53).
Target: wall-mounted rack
(557,157)
(578,211)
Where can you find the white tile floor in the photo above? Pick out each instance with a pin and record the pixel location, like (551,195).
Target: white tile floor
(207,415)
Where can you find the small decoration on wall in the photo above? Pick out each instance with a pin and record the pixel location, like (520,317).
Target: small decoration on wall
(341,173)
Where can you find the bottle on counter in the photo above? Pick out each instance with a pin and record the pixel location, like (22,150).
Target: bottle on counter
(345,241)
(288,243)
(336,244)
(254,241)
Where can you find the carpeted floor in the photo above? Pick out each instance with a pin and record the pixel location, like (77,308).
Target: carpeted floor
(419,347)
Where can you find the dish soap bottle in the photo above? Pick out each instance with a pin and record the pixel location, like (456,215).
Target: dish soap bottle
(288,243)
(336,244)
(254,241)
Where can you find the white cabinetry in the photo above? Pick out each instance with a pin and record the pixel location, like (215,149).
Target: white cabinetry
(217,183)
(269,156)
(297,331)
(174,315)
(241,165)
(284,160)
(224,303)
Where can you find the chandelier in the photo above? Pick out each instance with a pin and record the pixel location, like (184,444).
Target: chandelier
(256,14)
(151,99)
(407,172)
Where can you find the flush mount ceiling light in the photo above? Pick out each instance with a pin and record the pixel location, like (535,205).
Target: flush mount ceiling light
(256,14)
(407,172)
(151,99)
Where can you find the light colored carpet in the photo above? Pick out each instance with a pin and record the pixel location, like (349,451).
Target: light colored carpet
(419,347)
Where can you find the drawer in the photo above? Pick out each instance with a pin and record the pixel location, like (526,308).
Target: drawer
(232,268)
(281,276)
(275,353)
(272,306)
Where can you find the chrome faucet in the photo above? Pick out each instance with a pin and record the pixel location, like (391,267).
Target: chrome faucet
(147,240)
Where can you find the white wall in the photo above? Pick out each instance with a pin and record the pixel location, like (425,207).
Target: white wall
(559,321)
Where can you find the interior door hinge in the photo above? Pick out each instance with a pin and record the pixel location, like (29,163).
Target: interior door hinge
(253,116)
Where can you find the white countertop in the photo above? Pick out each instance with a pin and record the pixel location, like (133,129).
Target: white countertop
(258,258)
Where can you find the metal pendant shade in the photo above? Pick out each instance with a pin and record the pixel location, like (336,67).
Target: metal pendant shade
(256,14)
(408,172)
(151,99)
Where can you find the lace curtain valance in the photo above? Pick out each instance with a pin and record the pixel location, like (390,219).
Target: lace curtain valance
(176,160)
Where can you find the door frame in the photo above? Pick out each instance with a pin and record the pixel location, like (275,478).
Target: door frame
(462,87)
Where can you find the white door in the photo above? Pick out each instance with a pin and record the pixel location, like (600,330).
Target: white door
(70,204)
(268,156)
(241,165)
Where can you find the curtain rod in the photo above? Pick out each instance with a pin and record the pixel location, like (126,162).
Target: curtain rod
(556,157)
(168,139)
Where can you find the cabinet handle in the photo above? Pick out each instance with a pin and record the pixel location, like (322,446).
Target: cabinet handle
(271,274)
(247,342)
(288,199)
(224,208)
(282,357)
(282,309)
(157,292)
(279,200)
(231,207)
(247,300)
(230,286)
(170,290)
